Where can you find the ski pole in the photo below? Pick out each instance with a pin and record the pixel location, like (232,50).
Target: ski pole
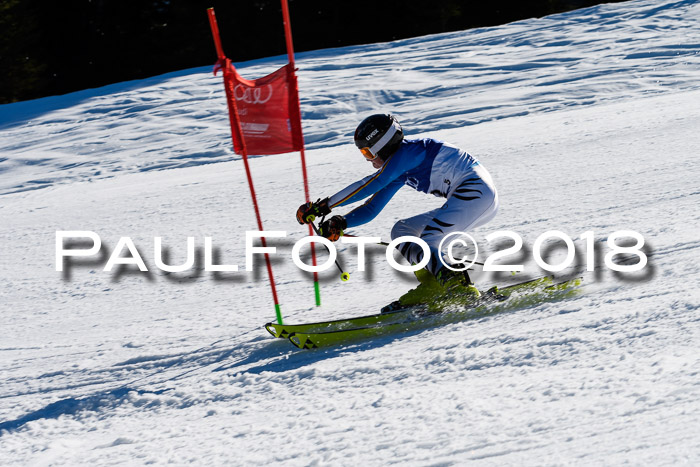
(386,244)
(344,276)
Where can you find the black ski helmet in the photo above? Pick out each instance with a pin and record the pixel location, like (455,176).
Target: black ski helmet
(378,135)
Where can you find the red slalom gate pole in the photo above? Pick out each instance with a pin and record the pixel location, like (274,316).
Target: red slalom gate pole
(307,197)
(236,126)
(215,33)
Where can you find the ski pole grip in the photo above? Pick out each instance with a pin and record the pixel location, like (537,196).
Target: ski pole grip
(310,218)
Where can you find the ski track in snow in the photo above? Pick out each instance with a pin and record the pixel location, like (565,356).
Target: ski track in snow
(587,120)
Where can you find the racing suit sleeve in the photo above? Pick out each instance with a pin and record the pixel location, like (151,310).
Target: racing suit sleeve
(373,206)
(392,169)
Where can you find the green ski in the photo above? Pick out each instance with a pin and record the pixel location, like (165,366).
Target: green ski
(326,333)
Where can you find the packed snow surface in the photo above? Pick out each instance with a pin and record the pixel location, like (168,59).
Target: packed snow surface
(588,121)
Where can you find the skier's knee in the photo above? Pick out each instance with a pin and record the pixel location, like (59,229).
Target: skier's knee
(399,230)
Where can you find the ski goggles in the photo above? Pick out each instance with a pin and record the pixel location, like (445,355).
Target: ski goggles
(372,153)
(367,152)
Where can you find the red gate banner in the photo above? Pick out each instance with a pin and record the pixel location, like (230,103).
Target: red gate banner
(265,119)
(266,109)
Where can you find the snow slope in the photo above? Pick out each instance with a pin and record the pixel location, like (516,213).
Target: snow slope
(587,120)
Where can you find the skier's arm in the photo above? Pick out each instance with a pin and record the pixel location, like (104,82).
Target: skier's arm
(369,185)
(373,206)
(386,176)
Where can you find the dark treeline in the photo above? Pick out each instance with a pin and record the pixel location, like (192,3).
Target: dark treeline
(55,47)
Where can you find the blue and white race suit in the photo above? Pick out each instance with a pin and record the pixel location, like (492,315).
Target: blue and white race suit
(433,167)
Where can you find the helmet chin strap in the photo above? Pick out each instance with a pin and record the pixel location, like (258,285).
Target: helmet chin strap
(379,145)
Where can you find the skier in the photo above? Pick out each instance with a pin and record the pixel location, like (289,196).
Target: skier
(426,165)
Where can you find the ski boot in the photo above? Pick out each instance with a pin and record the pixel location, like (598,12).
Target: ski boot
(458,287)
(428,289)
(448,286)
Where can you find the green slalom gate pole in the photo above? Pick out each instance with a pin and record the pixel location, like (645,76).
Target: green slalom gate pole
(295,120)
(317,290)
(278,313)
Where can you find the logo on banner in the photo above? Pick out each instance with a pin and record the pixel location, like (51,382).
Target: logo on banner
(254,129)
(252,95)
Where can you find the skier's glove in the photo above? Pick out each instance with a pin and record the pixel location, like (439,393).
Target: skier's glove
(308,212)
(333,228)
